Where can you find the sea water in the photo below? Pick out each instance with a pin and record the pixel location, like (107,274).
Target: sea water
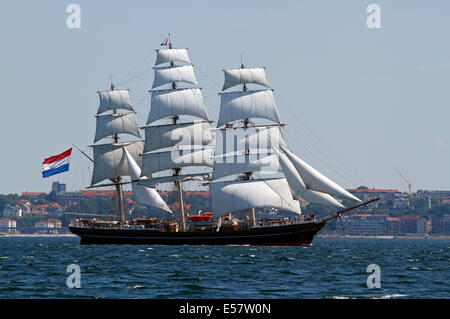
(37,267)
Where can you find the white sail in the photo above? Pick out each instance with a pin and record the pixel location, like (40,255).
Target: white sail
(172,55)
(240,76)
(315,180)
(163,136)
(231,165)
(113,100)
(234,196)
(249,104)
(110,124)
(235,141)
(110,160)
(160,161)
(165,103)
(169,74)
(298,187)
(144,195)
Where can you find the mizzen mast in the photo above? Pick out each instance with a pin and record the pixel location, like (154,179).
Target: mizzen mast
(110,161)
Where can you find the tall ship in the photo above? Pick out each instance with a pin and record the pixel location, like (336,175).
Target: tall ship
(244,161)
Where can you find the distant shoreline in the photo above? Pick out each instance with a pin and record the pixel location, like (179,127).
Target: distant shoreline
(38,235)
(384,237)
(318,236)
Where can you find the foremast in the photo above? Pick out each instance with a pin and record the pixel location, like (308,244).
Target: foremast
(234,186)
(300,181)
(172,144)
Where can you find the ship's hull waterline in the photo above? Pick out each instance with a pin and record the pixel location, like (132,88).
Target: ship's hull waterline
(282,235)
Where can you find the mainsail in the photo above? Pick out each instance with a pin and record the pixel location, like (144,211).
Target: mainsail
(177,145)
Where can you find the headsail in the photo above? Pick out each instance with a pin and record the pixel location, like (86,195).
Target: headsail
(316,181)
(298,187)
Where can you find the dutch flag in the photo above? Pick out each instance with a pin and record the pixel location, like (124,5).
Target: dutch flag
(165,42)
(56,164)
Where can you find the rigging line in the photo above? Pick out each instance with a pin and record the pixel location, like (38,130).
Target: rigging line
(321,142)
(282,134)
(207,74)
(209,78)
(140,80)
(76,172)
(122,78)
(344,165)
(135,77)
(323,162)
(142,98)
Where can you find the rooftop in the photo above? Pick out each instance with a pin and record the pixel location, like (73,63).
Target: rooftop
(373,190)
(32,193)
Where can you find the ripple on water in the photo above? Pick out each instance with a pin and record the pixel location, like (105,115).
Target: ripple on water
(332,268)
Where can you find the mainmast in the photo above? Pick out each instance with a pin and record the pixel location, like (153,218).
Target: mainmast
(170,147)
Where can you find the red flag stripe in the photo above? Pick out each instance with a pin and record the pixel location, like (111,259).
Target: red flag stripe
(56,158)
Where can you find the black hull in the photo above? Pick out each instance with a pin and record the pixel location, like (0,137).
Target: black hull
(283,235)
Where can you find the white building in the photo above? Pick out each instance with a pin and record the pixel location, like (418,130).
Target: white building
(50,223)
(7,224)
(12,211)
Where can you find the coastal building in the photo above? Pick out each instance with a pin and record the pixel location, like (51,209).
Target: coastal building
(25,206)
(50,223)
(401,200)
(103,193)
(445,224)
(31,195)
(369,224)
(7,225)
(415,224)
(12,211)
(394,224)
(58,187)
(53,209)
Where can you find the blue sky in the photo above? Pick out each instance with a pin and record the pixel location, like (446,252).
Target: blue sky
(356,101)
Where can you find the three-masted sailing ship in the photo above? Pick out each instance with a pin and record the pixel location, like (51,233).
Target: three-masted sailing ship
(244,161)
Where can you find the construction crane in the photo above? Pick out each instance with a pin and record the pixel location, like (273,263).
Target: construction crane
(409,185)
(404,178)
